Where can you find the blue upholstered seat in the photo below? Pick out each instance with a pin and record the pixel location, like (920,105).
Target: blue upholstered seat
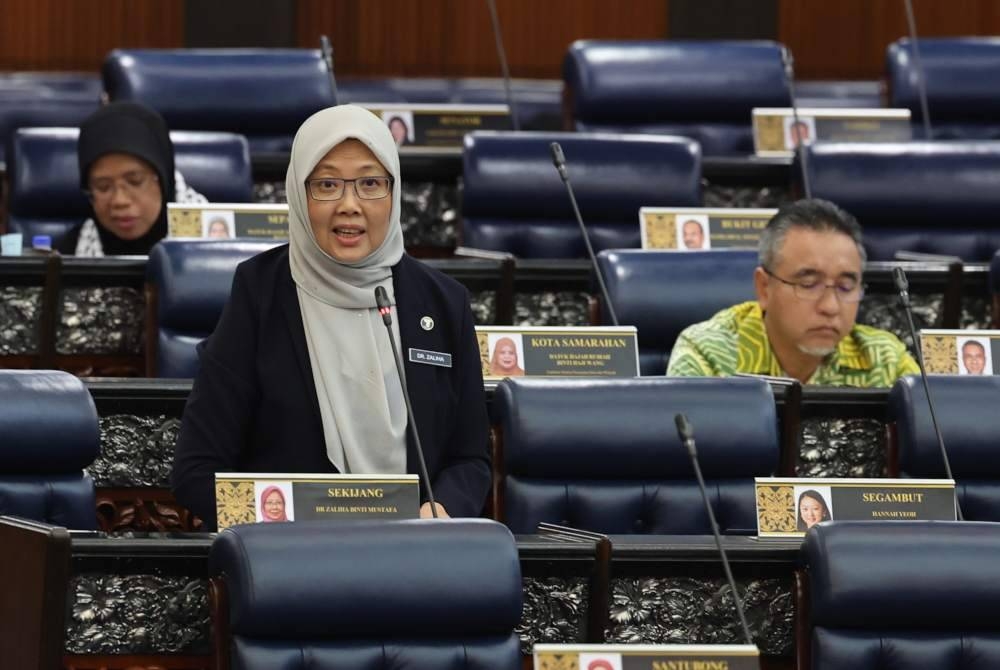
(371,595)
(902,594)
(704,90)
(961,81)
(929,197)
(513,199)
(966,411)
(603,455)
(264,94)
(191,280)
(45,195)
(661,293)
(48,435)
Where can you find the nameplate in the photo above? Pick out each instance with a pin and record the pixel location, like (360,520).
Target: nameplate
(224,221)
(438,126)
(606,351)
(646,657)
(426,357)
(699,228)
(776,133)
(254,497)
(961,352)
(788,507)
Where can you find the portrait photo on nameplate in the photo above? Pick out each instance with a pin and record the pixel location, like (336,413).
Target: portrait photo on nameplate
(529,351)
(429,126)
(224,221)
(961,352)
(645,657)
(259,497)
(788,507)
(777,131)
(701,228)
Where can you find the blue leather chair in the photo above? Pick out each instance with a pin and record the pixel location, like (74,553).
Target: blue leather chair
(662,292)
(966,411)
(368,595)
(960,75)
(264,94)
(702,90)
(513,199)
(995,289)
(604,456)
(50,434)
(929,197)
(187,285)
(919,595)
(44,176)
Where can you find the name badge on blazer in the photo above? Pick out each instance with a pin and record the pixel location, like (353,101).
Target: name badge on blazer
(437,358)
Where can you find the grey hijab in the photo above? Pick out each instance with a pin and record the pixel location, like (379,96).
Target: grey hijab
(360,394)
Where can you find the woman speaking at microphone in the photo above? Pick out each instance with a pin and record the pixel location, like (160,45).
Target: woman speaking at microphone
(299,376)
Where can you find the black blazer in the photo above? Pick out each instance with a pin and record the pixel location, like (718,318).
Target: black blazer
(253,407)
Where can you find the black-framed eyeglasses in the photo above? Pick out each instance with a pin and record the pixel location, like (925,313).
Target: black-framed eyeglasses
(814,289)
(131,183)
(366,188)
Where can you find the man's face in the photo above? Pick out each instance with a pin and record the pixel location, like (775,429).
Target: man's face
(974,358)
(694,238)
(799,133)
(807,257)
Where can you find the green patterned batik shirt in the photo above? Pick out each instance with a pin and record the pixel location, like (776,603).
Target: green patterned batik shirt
(734,340)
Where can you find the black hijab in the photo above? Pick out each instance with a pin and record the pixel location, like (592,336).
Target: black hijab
(129,128)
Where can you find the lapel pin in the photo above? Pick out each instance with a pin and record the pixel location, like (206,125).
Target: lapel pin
(426,322)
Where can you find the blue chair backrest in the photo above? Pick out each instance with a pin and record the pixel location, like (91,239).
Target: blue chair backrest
(995,276)
(603,455)
(513,199)
(663,292)
(929,197)
(704,90)
(264,94)
(192,280)
(966,410)
(961,76)
(49,430)
(371,595)
(904,594)
(44,176)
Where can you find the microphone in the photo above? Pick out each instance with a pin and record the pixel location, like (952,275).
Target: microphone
(902,287)
(686,435)
(921,81)
(789,62)
(327,50)
(385,309)
(559,160)
(502,55)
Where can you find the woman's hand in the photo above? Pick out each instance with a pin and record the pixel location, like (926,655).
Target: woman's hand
(425,511)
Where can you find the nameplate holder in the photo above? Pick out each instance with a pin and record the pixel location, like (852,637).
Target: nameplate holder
(776,132)
(225,221)
(255,497)
(788,507)
(428,126)
(701,228)
(599,351)
(646,657)
(961,352)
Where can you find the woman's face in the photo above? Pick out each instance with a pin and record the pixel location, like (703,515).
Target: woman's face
(507,356)
(274,506)
(811,511)
(126,195)
(398,130)
(349,229)
(218,229)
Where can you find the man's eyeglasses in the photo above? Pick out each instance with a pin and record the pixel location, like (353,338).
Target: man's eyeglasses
(366,188)
(131,183)
(846,290)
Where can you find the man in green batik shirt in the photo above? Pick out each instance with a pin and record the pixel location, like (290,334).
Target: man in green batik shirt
(802,326)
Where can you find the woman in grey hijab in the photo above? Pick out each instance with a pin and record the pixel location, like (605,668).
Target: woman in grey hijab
(299,376)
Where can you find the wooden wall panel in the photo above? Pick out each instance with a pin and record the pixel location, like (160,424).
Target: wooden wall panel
(77,34)
(453,38)
(847,39)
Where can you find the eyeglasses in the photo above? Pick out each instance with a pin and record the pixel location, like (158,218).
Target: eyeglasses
(847,290)
(366,188)
(132,183)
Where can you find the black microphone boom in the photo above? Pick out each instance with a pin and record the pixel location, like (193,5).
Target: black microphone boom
(327,51)
(686,434)
(559,160)
(504,70)
(921,79)
(799,148)
(903,287)
(385,309)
